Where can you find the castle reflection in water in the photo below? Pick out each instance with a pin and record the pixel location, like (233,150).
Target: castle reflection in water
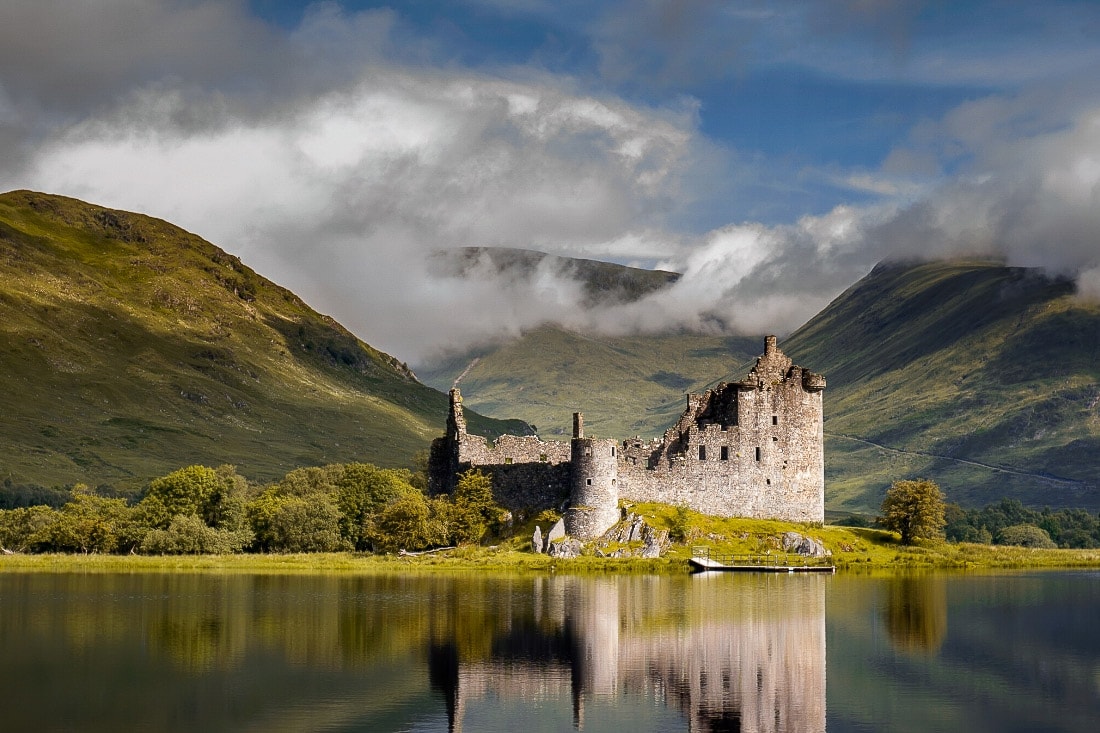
(728,653)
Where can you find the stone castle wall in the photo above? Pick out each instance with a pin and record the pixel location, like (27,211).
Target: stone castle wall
(752,448)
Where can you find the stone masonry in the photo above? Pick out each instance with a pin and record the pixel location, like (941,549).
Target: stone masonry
(751,448)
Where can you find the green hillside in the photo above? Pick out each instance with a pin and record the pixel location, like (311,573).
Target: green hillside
(129,348)
(983,377)
(625,386)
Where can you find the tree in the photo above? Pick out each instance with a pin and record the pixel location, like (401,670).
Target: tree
(361,493)
(27,529)
(404,523)
(90,523)
(190,491)
(473,511)
(914,509)
(1025,535)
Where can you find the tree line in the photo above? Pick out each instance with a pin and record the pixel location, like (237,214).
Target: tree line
(915,509)
(203,510)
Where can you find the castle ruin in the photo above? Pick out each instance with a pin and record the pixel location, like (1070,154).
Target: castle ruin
(750,448)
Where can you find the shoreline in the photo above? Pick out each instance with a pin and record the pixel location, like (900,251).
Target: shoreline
(941,557)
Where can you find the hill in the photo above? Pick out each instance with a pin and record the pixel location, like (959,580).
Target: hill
(602,282)
(983,377)
(129,348)
(625,386)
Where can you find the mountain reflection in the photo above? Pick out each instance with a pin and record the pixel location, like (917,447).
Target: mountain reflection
(729,653)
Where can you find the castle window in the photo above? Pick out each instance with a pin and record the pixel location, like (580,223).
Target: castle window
(507,460)
(702,453)
(588,481)
(612,450)
(775,419)
(725,453)
(587,451)
(758,454)
(769,481)
(775,440)
(612,482)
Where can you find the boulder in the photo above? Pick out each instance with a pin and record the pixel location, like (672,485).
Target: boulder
(656,542)
(556,533)
(795,543)
(536,541)
(565,548)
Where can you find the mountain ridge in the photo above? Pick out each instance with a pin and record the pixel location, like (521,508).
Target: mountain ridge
(981,376)
(130,347)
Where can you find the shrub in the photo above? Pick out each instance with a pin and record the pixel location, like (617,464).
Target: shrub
(189,535)
(1025,535)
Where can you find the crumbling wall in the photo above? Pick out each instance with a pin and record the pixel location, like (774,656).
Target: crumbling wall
(751,448)
(527,472)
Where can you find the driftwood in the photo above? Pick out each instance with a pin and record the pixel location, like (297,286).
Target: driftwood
(406,553)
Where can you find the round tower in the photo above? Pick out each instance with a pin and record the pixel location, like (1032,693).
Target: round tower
(594,496)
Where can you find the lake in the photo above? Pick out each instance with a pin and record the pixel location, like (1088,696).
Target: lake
(479,652)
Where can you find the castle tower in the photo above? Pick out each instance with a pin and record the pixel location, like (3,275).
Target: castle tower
(594,496)
(456,420)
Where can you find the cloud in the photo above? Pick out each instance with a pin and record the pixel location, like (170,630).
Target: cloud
(341,196)
(70,58)
(337,158)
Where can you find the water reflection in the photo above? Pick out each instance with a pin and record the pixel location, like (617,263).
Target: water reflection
(728,653)
(227,652)
(916,612)
(184,652)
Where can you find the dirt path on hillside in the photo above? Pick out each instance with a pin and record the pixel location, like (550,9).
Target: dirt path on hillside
(1001,469)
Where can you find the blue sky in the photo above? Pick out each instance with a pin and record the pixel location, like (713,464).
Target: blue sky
(773,152)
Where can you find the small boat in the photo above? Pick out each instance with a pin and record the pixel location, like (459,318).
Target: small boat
(703,560)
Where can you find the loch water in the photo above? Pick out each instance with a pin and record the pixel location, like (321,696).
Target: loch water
(482,652)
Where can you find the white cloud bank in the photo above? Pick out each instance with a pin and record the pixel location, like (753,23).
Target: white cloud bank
(340,191)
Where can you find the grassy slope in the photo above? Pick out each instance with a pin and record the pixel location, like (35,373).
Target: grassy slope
(625,386)
(983,377)
(129,347)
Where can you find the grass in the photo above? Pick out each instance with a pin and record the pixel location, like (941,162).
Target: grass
(854,550)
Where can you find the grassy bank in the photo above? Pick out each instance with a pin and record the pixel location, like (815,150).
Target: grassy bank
(854,550)
(497,560)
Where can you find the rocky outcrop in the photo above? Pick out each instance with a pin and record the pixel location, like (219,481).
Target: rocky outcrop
(566,548)
(795,543)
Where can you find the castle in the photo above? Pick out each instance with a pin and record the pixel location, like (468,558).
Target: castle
(751,448)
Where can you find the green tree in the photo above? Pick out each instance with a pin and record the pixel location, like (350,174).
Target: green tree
(297,523)
(362,491)
(473,511)
(914,509)
(27,529)
(1025,535)
(404,523)
(189,535)
(90,523)
(191,491)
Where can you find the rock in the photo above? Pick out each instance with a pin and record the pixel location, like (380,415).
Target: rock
(536,541)
(656,542)
(799,545)
(556,532)
(565,548)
